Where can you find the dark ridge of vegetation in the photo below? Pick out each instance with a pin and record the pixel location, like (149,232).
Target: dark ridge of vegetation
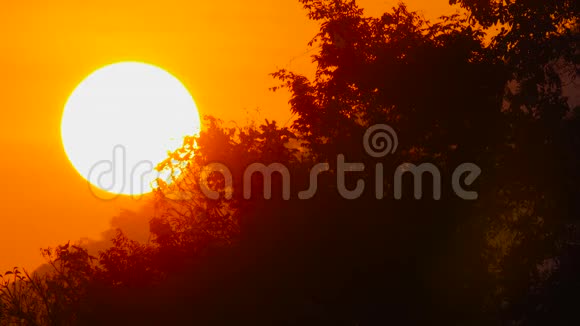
(511,257)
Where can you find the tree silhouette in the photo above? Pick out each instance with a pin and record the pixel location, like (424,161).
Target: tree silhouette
(455,93)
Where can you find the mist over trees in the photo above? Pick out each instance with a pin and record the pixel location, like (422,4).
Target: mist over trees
(484,88)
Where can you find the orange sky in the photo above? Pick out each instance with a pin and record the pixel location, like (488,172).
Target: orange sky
(222,51)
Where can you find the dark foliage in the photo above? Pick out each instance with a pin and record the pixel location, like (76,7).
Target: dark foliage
(509,257)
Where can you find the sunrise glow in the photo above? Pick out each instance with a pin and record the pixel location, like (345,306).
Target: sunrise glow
(122,120)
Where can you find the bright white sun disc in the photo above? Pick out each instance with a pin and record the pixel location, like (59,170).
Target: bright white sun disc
(122,120)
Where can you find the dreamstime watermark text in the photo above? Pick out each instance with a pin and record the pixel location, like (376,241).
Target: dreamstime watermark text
(379,141)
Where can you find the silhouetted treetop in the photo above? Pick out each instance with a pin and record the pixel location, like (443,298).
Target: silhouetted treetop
(455,92)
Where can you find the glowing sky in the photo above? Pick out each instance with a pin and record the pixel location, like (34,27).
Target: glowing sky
(222,51)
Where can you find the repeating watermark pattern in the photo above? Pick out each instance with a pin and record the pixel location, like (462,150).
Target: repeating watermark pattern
(379,141)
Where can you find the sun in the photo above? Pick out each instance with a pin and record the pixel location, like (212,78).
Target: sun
(121,121)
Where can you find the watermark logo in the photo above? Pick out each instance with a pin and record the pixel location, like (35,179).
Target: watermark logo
(379,141)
